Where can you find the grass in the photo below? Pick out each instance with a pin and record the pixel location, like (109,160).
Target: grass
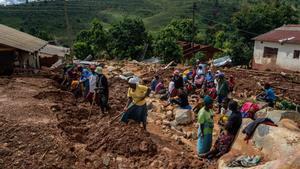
(49,16)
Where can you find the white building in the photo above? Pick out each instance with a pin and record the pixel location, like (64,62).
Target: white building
(278,50)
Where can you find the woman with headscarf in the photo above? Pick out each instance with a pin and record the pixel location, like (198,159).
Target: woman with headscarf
(136,108)
(206,124)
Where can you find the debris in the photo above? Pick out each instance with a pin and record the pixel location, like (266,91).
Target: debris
(245,161)
(223,61)
(183,116)
(168,65)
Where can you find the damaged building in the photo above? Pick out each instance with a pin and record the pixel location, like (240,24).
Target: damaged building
(19,50)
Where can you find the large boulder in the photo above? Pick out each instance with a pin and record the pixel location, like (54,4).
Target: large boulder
(277,115)
(279,146)
(183,116)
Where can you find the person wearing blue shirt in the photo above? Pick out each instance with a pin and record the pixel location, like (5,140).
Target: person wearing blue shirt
(209,76)
(154,83)
(269,95)
(84,78)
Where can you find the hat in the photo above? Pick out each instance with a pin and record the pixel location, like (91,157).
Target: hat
(98,70)
(133,80)
(176,72)
(207,100)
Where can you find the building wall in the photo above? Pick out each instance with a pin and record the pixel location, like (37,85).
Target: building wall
(284,60)
(28,60)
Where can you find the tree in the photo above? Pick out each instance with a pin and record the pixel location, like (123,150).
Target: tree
(235,38)
(92,41)
(263,17)
(38,33)
(82,50)
(166,46)
(184,29)
(98,36)
(127,38)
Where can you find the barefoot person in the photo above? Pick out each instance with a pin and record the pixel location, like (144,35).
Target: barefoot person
(136,108)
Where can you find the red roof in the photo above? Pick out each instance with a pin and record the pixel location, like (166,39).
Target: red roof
(284,34)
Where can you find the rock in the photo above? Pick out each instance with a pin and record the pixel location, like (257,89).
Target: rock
(105,159)
(188,135)
(194,135)
(289,124)
(166,122)
(119,159)
(175,137)
(277,115)
(169,115)
(158,122)
(127,74)
(173,124)
(279,144)
(183,116)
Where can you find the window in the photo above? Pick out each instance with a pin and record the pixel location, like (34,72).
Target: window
(270,52)
(296,54)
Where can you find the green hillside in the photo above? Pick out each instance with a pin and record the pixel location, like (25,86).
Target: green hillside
(50,16)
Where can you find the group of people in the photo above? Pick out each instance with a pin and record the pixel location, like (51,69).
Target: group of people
(183,84)
(216,87)
(88,82)
(94,86)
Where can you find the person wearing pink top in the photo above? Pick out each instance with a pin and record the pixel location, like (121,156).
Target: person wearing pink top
(249,109)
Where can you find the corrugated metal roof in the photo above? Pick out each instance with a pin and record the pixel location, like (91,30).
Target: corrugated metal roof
(20,40)
(285,34)
(54,50)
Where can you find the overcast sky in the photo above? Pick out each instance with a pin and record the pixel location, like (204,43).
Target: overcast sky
(9,2)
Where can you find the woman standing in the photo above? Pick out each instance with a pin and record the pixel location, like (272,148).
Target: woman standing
(136,108)
(206,124)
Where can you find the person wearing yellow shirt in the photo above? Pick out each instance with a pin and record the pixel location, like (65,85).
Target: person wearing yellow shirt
(136,108)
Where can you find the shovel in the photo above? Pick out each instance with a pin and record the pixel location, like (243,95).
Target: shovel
(121,114)
(93,102)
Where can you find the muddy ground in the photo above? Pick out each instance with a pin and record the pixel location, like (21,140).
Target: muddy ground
(42,126)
